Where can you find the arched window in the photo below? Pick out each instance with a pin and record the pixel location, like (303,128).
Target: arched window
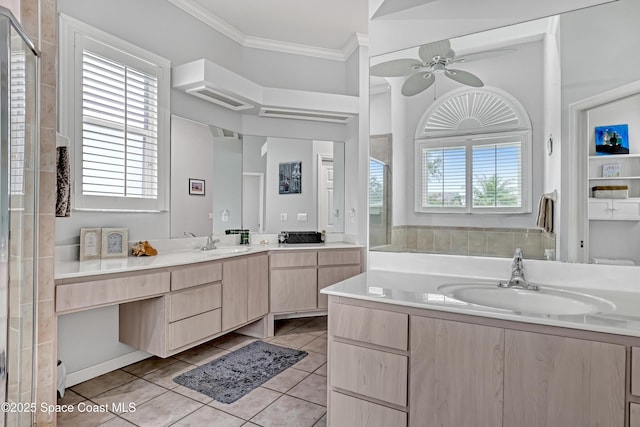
(473,154)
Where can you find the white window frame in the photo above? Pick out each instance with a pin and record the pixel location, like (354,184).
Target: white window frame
(74,36)
(469,142)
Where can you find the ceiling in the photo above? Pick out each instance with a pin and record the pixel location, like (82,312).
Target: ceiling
(322,24)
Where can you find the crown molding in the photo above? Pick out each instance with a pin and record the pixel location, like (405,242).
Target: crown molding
(223,27)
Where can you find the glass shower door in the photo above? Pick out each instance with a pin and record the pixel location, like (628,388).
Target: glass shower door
(18,220)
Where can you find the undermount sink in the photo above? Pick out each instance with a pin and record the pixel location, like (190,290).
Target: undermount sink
(542,301)
(226,251)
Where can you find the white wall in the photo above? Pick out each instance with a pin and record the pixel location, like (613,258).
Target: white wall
(289,150)
(189,138)
(380,113)
(227,184)
(581,40)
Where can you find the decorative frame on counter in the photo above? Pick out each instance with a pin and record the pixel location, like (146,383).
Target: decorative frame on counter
(196,187)
(115,242)
(90,243)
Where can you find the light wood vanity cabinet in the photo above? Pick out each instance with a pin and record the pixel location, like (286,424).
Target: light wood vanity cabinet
(245,290)
(634,415)
(462,372)
(296,277)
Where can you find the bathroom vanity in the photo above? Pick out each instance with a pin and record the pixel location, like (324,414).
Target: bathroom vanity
(402,353)
(175,301)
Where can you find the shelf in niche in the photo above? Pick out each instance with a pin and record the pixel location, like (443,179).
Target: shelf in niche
(613,157)
(612,178)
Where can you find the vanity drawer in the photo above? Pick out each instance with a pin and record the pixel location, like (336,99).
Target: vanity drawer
(192,329)
(293,259)
(194,301)
(385,328)
(635,371)
(77,296)
(347,411)
(369,372)
(634,415)
(339,257)
(197,275)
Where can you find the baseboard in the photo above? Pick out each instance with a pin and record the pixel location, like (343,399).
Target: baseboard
(85,374)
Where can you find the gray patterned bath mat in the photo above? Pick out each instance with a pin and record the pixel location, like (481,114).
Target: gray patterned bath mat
(231,376)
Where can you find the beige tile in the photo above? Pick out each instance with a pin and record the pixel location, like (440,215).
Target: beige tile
(70,398)
(248,405)
(313,389)
(46,285)
(412,238)
(208,416)
(48,155)
(316,326)
(284,381)
(48,20)
(46,236)
(322,422)
(399,238)
(164,376)
(477,242)
(424,240)
(441,241)
(82,417)
(530,243)
(149,365)
(459,242)
(48,106)
(293,340)
(47,325)
(163,410)
(500,244)
(138,392)
(103,383)
(117,422)
(312,362)
(29,17)
(192,394)
(201,354)
(319,345)
(232,341)
(322,370)
(47,365)
(281,327)
(290,412)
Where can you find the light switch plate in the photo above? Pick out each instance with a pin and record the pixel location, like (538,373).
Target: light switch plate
(302,217)
(283,217)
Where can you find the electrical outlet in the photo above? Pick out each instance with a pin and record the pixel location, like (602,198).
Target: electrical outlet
(302,217)
(284,217)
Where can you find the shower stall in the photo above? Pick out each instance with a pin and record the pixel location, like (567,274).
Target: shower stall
(18,221)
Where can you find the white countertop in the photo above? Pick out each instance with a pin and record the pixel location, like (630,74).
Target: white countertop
(65,269)
(420,291)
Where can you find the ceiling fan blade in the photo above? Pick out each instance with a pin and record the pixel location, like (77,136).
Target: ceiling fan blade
(417,83)
(431,50)
(464,77)
(484,55)
(395,68)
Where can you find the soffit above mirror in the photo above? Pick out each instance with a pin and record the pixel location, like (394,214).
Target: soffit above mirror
(208,80)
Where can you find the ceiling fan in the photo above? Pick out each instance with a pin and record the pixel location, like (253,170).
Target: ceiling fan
(434,59)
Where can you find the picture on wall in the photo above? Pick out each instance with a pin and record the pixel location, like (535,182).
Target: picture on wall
(196,187)
(612,140)
(290,178)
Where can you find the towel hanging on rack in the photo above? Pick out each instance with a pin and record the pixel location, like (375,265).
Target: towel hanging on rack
(63,182)
(545,212)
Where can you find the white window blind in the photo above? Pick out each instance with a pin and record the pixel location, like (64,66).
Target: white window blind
(119,129)
(497,175)
(443,172)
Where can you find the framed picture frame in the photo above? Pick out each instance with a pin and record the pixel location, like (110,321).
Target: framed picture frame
(196,187)
(290,178)
(611,170)
(612,140)
(90,244)
(115,242)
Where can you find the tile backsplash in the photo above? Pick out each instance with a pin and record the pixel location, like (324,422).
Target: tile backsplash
(497,242)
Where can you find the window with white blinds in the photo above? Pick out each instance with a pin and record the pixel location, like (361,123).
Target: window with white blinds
(115,107)
(486,174)
(119,129)
(376,186)
(18,121)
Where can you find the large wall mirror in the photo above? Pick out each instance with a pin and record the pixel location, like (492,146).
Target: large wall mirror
(469,134)
(260,183)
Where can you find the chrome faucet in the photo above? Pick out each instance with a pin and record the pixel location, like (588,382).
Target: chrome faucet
(211,243)
(517,279)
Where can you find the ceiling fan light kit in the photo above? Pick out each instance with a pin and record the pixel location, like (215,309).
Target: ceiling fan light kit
(434,59)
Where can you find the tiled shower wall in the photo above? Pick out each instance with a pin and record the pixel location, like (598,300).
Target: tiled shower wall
(497,242)
(38,18)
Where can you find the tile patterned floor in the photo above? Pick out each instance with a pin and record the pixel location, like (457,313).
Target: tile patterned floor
(296,397)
